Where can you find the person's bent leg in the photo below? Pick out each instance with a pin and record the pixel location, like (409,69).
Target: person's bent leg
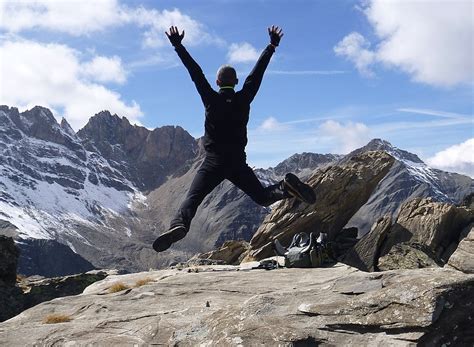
(298,189)
(207,178)
(245,179)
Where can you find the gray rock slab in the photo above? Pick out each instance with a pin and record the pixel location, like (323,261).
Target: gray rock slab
(234,306)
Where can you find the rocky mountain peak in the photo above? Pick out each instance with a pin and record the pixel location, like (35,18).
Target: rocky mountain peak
(9,117)
(39,114)
(299,161)
(67,127)
(8,109)
(382,145)
(39,123)
(106,127)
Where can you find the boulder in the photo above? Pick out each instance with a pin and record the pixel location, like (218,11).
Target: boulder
(231,306)
(433,224)
(463,258)
(364,255)
(340,190)
(407,256)
(424,234)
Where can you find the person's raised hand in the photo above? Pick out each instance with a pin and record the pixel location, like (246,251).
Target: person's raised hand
(275,35)
(174,36)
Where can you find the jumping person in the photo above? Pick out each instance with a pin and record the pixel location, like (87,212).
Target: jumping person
(225,138)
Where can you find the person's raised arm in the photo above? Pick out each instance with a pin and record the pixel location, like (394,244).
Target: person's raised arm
(195,71)
(254,79)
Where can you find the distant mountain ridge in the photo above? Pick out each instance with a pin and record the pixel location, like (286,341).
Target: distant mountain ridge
(109,189)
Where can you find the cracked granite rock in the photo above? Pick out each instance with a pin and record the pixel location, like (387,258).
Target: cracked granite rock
(232,306)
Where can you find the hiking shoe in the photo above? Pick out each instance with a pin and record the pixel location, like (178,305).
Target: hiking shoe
(298,189)
(174,234)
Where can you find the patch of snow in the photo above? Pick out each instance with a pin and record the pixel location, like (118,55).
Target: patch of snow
(137,200)
(28,226)
(424,174)
(71,246)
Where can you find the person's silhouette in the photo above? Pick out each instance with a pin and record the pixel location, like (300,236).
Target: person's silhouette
(225,138)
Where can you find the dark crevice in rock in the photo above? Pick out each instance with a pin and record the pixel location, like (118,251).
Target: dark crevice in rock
(307,342)
(374,329)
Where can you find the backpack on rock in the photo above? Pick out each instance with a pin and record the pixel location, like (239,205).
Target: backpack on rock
(306,251)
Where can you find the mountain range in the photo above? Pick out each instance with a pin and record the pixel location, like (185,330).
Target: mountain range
(99,197)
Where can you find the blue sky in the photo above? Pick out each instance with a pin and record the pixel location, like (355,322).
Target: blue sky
(345,72)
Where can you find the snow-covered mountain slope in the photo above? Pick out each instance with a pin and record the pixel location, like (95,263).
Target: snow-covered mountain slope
(49,181)
(82,192)
(409,177)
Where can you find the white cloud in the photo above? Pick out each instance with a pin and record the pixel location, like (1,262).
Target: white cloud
(157,22)
(104,69)
(271,124)
(53,75)
(458,158)
(355,48)
(345,137)
(242,53)
(432,41)
(75,17)
(83,17)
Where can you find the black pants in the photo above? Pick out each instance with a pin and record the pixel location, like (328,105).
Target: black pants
(212,172)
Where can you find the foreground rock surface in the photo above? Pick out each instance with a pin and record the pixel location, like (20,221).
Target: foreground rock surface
(229,305)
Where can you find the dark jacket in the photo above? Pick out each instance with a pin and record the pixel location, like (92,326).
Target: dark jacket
(227,111)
